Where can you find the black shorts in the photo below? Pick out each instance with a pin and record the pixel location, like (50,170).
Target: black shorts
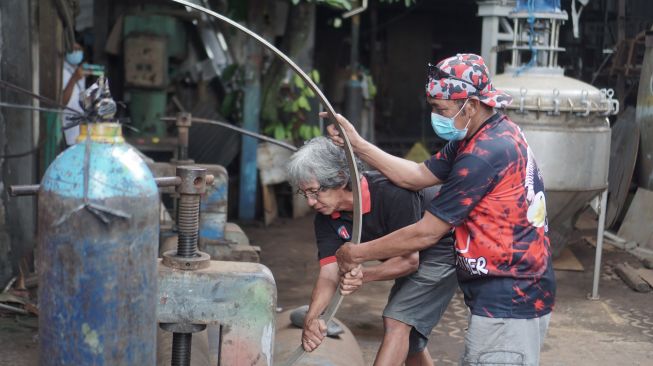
(421,298)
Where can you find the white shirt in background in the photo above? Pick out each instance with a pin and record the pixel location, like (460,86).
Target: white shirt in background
(71,134)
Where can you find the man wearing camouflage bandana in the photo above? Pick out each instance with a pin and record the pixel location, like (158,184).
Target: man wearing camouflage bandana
(492,195)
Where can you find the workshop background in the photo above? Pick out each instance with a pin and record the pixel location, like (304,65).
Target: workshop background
(183,80)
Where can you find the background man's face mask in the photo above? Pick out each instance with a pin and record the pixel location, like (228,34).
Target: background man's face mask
(75,57)
(445,127)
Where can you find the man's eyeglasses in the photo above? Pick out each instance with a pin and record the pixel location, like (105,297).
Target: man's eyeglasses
(310,193)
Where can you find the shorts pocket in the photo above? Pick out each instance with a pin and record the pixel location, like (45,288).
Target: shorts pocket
(499,358)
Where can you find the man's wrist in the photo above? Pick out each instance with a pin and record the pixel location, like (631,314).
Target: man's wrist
(360,146)
(310,318)
(366,272)
(358,254)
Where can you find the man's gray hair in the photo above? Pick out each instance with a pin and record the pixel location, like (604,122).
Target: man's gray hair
(322,160)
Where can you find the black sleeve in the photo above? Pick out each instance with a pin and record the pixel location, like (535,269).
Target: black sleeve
(326,237)
(401,208)
(441,163)
(471,178)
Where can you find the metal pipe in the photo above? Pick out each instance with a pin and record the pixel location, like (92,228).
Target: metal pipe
(14,309)
(33,189)
(24,190)
(237,129)
(599,246)
(183,125)
(167,181)
(8,286)
(614,237)
(355,11)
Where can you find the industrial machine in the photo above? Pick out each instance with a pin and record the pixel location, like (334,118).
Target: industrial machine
(101,290)
(220,239)
(151,40)
(564,119)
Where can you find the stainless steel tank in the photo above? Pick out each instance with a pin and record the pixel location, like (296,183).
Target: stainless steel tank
(565,123)
(564,119)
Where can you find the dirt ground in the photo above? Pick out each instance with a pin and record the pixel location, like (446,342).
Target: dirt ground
(615,330)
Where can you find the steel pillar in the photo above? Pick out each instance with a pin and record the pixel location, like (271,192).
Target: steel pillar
(492,12)
(599,246)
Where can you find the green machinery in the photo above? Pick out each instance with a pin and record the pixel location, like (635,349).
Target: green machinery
(151,42)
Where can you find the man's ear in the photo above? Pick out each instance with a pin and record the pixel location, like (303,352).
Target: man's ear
(472,108)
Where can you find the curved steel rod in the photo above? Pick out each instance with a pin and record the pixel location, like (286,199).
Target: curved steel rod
(237,129)
(349,151)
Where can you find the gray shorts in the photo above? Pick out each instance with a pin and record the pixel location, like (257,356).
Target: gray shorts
(504,341)
(421,298)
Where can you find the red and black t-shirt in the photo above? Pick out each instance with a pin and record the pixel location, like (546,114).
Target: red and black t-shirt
(386,208)
(493,194)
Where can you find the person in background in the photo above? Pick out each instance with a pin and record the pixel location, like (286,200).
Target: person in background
(73,79)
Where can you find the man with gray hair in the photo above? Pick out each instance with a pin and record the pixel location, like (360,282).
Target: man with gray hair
(424,281)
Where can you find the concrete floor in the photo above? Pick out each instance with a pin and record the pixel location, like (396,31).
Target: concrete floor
(615,330)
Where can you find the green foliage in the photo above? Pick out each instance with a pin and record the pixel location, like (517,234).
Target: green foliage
(294,105)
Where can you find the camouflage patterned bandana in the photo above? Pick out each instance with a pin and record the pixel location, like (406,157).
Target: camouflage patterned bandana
(464,76)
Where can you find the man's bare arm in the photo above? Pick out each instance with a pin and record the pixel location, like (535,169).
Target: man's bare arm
(412,238)
(403,173)
(325,287)
(392,268)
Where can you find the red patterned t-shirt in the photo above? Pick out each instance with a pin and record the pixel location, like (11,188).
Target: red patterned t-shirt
(493,195)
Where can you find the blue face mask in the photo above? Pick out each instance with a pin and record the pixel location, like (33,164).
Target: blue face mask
(75,57)
(445,127)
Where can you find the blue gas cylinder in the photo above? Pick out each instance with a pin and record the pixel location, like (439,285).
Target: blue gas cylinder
(538,6)
(98,222)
